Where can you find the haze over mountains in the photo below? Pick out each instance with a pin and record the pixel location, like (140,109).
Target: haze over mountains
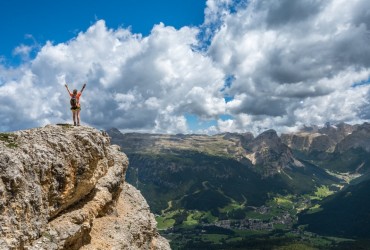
(232,180)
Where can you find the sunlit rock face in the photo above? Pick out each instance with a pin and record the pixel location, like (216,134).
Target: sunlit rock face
(267,151)
(358,139)
(315,139)
(56,181)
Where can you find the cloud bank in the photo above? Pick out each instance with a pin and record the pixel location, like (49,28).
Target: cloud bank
(262,64)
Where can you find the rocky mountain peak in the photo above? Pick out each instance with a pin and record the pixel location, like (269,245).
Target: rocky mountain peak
(114,130)
(337,132)
(359,138)
(270,133)
(268,139)
(269,153)
(58,182)
(315,139)
(269,136)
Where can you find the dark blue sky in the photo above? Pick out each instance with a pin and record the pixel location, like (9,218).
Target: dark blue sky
(60,20)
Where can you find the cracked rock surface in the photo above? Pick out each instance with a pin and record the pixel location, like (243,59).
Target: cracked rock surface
(121,230)
(57,182)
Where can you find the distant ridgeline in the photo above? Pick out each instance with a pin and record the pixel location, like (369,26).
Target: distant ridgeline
(237,190)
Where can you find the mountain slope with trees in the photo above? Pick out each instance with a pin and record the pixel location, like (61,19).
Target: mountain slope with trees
(222,188)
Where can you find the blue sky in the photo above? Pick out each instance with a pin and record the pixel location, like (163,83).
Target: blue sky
(27,22)
(187,66)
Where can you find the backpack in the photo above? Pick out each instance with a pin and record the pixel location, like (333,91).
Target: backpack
(74,101)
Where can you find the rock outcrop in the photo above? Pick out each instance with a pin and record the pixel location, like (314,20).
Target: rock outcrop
(309,142)
(62,187)
(360,138)
(121,230)
(315,139)
(268,152)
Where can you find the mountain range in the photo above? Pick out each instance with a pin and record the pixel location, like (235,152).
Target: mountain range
(242,183)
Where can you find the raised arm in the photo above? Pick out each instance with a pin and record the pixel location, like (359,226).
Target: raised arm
(83,87)
(68,89)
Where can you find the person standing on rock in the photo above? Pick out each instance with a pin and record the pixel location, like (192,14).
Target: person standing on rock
(75,104)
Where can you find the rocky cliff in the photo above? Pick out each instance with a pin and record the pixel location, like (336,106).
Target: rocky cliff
(359,138)
(267,151)
(63,187)
(315,139)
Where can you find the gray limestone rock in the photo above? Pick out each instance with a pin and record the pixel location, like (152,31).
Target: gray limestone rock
(55,182)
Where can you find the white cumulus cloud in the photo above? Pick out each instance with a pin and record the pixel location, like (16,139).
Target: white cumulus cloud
(295,62)
(133,82)
(280,64)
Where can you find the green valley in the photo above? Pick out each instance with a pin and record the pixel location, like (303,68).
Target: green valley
(237,191)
